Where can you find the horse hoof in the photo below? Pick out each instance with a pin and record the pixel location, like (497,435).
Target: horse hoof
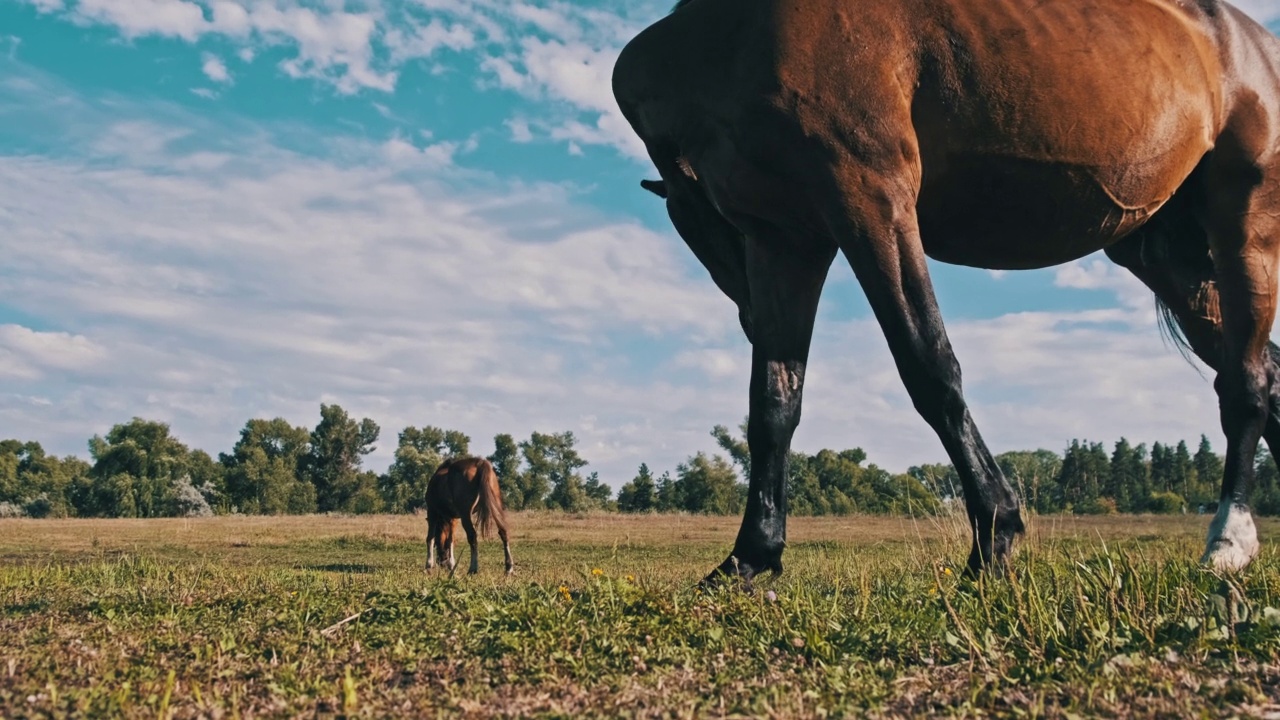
(1233,539)
(733,569)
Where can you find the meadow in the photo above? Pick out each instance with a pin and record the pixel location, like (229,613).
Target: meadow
(335,617)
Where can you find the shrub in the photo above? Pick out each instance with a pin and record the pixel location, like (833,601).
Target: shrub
(1166,503)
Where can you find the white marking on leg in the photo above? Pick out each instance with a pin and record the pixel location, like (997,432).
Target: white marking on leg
(1233,539)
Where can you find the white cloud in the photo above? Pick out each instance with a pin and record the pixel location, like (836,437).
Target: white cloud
(520,132)
(137,18)
(575,73)
(549,51)
(29,354)
(418,41)
(215,69)
(1097,273)
(223,285)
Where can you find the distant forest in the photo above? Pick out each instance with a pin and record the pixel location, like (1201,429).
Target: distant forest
(139,469)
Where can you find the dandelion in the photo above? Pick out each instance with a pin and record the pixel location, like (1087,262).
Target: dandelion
(933,590)
(564,590)
(946,571)
(597,572)
(631,578)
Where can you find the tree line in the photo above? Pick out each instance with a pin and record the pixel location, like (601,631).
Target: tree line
(139,469)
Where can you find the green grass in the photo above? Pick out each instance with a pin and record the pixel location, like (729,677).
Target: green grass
(238,617)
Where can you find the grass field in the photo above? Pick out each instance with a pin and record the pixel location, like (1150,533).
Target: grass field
(239,617)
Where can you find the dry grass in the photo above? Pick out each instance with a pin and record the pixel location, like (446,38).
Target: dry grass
(226,617)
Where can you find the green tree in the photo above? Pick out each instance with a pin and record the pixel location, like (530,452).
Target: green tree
(1128,482)
(206,478)
(506,464)
(1162,470)
(552,464)
(262,471)
(36,484)
(1208,471)
(418,455)
(736,448)
(805,494)
(1086,470)
(639,495)
(1034,473)
(667,495)
(135,470)
(332,463)
(709,485)
(944,482)
(1184,471)
(1266,484)
(599,495)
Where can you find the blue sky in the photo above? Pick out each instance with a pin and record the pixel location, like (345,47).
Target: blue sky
(429,213)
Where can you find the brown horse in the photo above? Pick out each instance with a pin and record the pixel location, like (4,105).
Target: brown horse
(991,133)
(462,487)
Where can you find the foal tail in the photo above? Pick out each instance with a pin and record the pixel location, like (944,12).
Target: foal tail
(489,509)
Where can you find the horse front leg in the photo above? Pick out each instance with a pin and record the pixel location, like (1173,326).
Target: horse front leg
(880,237)
(786,275)
(433,539)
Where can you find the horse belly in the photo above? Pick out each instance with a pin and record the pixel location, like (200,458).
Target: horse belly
(1048,130)
(1013,213)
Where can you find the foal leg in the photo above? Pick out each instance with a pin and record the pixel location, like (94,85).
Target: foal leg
(446,539)
(878,231)
(433,540)
(786,275)
(470,530)
(506,550)
(1243,219)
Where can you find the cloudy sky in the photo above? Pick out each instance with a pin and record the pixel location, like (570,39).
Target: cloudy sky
(429,213)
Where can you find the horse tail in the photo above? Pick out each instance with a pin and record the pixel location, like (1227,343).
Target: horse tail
(489,510)
(1171,329)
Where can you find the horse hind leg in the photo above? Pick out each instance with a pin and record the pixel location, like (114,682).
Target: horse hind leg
(1243,221)
(470,529)
(1171,257)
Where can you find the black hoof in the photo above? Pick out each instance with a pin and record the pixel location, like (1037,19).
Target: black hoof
(735,570)
(993,546)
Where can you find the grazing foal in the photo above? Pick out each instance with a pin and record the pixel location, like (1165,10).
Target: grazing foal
(462,487)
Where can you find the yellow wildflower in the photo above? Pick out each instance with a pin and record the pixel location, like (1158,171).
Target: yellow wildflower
(631,578)
(946,571)
(597,572)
